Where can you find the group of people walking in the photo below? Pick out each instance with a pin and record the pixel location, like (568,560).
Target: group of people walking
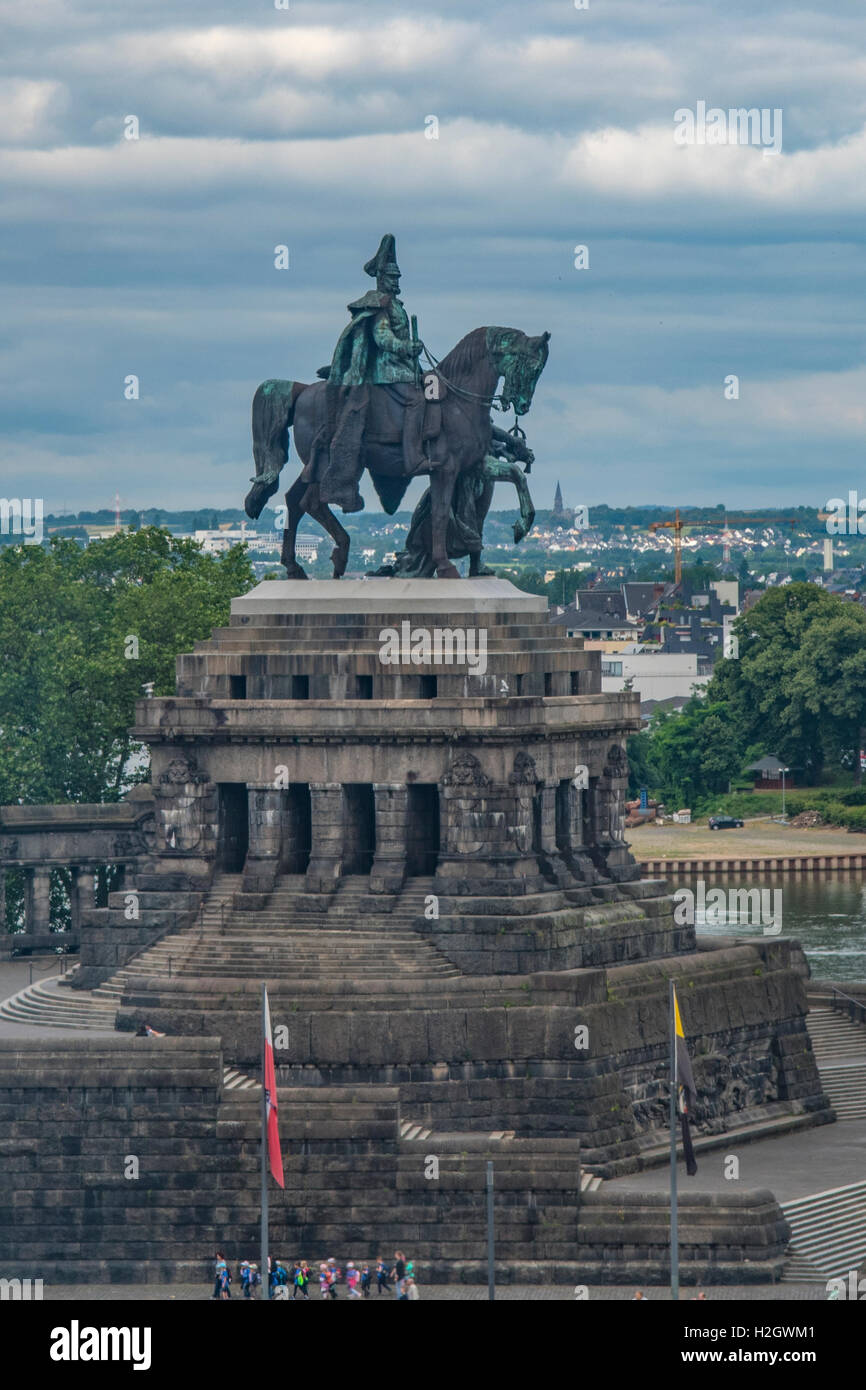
(359,1280)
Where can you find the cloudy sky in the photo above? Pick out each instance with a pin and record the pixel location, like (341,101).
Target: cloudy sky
(306,127)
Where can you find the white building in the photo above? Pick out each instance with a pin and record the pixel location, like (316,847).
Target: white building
(307,547)
(216,542)
(655,675)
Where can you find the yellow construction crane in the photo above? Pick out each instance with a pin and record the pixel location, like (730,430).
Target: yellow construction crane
(678,525)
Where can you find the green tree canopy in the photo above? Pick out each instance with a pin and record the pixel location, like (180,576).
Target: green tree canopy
(784,689)
(69,676)
(694,752)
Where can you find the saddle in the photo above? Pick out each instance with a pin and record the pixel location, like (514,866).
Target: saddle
(404,414)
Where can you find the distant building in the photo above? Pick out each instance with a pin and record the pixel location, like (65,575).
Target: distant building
(655,675)
(605,623)
(218,541)
(307,548)
(561,516)
(768,774)
(642,599)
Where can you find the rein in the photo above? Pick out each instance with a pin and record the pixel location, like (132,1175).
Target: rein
(496,401)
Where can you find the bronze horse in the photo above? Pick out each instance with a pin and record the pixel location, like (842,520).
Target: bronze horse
(464,389)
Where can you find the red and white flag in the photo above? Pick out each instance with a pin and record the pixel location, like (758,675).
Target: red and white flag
(275,1158)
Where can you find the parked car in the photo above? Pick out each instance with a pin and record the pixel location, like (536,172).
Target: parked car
(724,823)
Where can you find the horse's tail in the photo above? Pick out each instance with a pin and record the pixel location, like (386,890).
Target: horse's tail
(273,415)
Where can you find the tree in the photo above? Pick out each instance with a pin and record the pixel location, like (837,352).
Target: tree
(81,632)
(529,581)
(638,750)
(698,577)
(694,752)
(766,702)
(829,676)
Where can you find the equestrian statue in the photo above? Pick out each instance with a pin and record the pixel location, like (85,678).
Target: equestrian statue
(374,409)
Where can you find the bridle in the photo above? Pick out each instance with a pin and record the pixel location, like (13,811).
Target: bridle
(496,401)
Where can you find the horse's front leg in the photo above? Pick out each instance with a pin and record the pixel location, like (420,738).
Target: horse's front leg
(441,496)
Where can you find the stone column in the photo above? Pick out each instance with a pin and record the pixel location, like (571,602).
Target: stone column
(37,902)
(83,896)
(553,862)
(326,849)
(572,847)
(609,848)
(389,862)
(266,811)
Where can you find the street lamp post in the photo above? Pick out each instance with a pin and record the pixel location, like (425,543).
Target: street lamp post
(784,770)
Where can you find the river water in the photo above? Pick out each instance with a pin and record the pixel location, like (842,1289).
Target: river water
(825,912)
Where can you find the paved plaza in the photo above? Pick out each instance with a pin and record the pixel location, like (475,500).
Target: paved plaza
(791,1166)
(454,1293)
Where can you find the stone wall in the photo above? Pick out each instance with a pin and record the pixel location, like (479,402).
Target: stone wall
(125,1161)
(499,1053)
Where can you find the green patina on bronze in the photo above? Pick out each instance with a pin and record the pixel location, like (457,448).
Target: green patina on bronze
(376,346)
(275,386)
(521,361)
(371,412)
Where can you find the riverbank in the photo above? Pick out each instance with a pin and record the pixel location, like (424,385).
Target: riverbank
(759,844)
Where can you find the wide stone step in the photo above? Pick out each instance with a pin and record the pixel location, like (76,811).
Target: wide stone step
(845,1084)
(49,1005)
(828,1230)
(323,951)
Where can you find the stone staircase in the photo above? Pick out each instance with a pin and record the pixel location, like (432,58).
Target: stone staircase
(239,1081)
(53,1004)
(828,1229)
(840,1050)
(834,1036)
(296,937)
(828,1234)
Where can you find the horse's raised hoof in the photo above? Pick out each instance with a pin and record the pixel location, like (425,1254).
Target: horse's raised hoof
(447,572)
(295,572)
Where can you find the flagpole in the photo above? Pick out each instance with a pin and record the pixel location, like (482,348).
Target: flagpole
(266,1289)
(675,1253)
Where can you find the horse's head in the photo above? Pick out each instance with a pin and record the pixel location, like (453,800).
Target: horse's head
(520,361)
